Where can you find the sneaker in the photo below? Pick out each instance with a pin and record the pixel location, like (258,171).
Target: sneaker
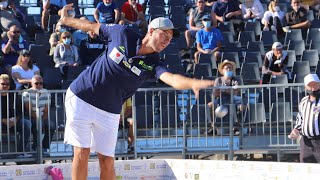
(273,28)
(24,155)
(266,28)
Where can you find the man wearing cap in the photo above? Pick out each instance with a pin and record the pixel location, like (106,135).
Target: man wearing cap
(227,69)
(208,40)
(307,123)
(275,63)
(195,21)
(112,78)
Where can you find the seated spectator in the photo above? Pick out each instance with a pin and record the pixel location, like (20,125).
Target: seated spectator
(126,117)
(55,37)
(90,48)
(79,35)
(29,99)
(297,17)
(275,63)
(228,10)
(208,40)
(50,7)
(65,54)
(107,12)
(12,45)
(24,70)
(195,21)
(132,13)
(223,96)
(11,116)
(10,15)
(252,10)
(273,17)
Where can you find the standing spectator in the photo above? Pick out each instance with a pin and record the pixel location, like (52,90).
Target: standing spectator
(252,10)
(228,10)
(24,70)
(65,54)
(195,21)
(55,37)
(274,17)
(11,116)
(12,47)
(30,104)
(90,48)
(208,40)
(107,12)
(10,15)
(275,63)
(307,123)
(50,7)
(79,35)
(132,13)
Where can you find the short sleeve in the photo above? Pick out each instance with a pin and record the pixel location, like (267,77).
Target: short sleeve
(99,6)
(3,44)
(140,9)
(106,31)
(15,69)
(160,69)
(198,37)
(35,68)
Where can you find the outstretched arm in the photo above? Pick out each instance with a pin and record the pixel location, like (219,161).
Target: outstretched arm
(180,82)
(75,23)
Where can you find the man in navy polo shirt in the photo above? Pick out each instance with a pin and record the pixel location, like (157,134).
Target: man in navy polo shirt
(93,101)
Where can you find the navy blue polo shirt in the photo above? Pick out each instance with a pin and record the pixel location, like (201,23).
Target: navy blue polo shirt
(223,8)
(119,72)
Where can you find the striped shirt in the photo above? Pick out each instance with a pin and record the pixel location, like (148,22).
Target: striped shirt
(44,99)
(308,118)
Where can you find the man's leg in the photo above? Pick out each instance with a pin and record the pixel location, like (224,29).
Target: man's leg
(106,167)
(80,163)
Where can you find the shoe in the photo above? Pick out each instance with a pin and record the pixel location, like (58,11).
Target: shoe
(273,28)
(266,28)
(24,155)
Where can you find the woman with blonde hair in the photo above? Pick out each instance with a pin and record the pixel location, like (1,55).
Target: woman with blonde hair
(274,17)
(24,70)
(66,54)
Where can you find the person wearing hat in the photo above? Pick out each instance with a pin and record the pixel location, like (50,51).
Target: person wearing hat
(275,63)
(24,70)
(208,40)
(227,69)
(113,77)
(195,21)
(307,122)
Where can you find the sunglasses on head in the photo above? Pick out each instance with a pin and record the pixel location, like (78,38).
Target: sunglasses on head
(38,83)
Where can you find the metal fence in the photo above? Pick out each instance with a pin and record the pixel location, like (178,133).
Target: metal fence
(167,122)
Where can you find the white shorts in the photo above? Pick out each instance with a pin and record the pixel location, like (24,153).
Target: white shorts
(90,127)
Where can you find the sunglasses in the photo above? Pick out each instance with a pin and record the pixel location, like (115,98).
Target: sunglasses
(5,84)
(38,83)
(15,32)
(200,2)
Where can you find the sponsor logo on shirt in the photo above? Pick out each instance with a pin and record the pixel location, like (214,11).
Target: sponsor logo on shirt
(144,66)
(116,55)
(122,48)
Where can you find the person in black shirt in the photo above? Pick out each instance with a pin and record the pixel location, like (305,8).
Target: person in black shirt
(90,48)
(11,116)
(307,123)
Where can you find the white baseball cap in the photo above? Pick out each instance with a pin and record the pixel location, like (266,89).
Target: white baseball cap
(163,24)
(277,45)
(311,78)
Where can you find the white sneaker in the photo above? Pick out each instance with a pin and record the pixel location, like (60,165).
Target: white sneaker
(273,28)
(266,28)
(24,156)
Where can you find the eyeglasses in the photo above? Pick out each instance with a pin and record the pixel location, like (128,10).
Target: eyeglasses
(16,32)
(38,83)
(5,84)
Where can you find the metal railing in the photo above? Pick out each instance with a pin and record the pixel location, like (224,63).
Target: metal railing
(169,122)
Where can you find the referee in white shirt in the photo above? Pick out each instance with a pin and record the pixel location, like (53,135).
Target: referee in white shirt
(307,123)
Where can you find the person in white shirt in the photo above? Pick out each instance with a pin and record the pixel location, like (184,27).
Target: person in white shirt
(273,16)
(252,10)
